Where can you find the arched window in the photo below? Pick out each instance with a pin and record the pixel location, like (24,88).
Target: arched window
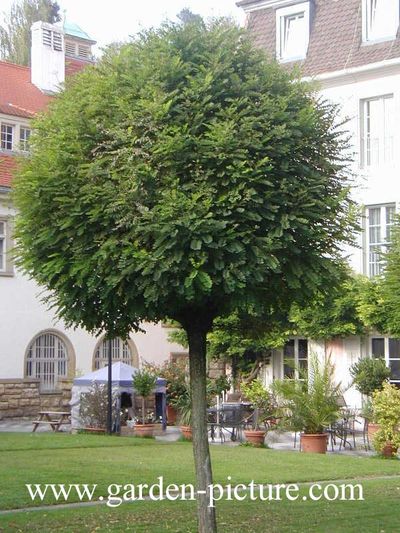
(47,360)
(120,351)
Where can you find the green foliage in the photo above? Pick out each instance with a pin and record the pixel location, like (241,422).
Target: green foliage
(183,176)
(221,384)
(386,406)
(183,405)
(174,373)
(311,403)
(261,400)
(352,307)
(144,382)
(15,33)
(391,284)
(369,374)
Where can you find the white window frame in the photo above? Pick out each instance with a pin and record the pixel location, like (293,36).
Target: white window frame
(297,359)
(387,357)
(281,15)
(367,32)
(120,351)
(47,359)
(24,142)
(386,141)
(7,125)
(384,241)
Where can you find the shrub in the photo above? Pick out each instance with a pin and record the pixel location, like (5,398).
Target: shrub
(94,406)
(369,374)
(386,407)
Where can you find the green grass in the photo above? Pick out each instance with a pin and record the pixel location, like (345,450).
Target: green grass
(377,514)
(61,458)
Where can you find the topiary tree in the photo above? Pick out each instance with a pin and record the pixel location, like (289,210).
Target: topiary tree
(369,375)
(144,382)
(183,177)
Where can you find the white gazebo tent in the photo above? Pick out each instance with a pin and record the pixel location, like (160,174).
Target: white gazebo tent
(121,382)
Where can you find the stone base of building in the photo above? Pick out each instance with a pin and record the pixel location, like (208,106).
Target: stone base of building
(23,398)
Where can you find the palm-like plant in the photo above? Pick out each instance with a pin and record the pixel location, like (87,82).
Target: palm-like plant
(311,402)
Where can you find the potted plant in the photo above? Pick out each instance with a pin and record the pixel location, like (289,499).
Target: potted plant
(183,406)
(144,383)
(310,404)
(261,400)
(369,374)
(386,407)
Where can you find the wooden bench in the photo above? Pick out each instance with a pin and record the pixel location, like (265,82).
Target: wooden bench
(54,419)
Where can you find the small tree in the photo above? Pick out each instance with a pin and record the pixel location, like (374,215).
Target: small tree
(144,383)
(182,178)
(261,400)
(15,33)
(369,375)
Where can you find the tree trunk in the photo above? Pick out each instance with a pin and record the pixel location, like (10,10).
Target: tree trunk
(198,385)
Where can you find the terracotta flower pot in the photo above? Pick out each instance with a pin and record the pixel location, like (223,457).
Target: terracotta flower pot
(255,437)
(187,432)
(144,430)
(314,443)
(389,450)
(171,415)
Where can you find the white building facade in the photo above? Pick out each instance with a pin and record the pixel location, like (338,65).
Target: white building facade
(39,356)
(351,49)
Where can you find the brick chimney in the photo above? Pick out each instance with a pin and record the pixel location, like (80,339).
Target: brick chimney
(47,57)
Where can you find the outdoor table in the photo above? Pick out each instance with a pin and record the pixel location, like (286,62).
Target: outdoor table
(55,419)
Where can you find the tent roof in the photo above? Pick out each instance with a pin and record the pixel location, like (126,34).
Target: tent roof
(121,376)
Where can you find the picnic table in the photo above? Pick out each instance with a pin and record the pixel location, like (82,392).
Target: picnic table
(54,419)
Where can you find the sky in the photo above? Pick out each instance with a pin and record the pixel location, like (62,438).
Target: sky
(115,20)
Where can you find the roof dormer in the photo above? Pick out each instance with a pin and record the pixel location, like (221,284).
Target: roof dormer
(292,31)
(78,44)
(380,20)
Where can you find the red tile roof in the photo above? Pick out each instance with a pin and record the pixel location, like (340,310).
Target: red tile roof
(7,166)
(20,98)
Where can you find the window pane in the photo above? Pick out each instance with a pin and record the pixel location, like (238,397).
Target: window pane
(47,360)
(288,350)
(303,348)
(24,134)
(6,137)
(294,35)
(303,365)
(394,348)
(395,370)
(120,351)
(381,18)
(378,347)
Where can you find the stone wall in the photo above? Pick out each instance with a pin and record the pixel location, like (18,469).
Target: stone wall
(22,398)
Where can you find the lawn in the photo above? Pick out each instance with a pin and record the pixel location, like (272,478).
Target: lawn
(52,458)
